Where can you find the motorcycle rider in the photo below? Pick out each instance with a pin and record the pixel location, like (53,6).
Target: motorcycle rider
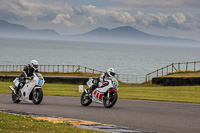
(108,75)
(27,73)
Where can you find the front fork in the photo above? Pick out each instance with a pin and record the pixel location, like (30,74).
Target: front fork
(108,95)
(88,93)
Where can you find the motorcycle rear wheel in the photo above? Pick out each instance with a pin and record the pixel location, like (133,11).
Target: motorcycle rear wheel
(37,96)
(109,102)
(15,98)
(85,99)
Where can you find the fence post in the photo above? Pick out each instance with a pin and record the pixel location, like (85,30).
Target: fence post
(157,72)
(186,66)
(162,71)
(179,67)
(194,66)
(172,67)
(147,77)
(167,69)
(79,68)
(67,68)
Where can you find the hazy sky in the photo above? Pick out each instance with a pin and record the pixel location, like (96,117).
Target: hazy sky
(179,18)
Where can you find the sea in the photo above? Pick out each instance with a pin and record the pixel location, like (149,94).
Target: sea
(131,61)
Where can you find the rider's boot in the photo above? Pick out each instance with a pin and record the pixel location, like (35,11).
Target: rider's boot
(16,90)
(18,87)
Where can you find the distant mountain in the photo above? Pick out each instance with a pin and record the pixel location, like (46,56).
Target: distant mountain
(127,34)
(15,30)
(126,31)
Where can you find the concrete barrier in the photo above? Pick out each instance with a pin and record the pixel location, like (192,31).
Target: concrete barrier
(69,80)
(170,81)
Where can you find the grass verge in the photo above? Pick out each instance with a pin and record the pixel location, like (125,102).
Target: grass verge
(18,123)
(189,94)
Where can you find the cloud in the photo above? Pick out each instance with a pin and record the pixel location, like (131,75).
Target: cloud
(155,5)
(63,18)
(183,21)
(20,9)
(89,15)
(93,15)
(103,15)
(89,20)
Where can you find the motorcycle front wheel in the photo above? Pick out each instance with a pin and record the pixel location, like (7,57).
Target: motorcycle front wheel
(15,98)
(37,96)
(85,99)
(108,102)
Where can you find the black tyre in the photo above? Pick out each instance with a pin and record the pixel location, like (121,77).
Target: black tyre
(15,98)
(85,99)
(37,96)
(109,102)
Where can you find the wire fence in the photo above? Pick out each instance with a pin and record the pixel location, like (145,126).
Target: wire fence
(128,78)
(174,67)
(52,68)
(73,68)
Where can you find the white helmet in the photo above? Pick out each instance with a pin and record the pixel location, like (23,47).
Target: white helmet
(111,72)
(34,64)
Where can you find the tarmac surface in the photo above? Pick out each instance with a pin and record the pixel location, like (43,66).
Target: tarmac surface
(136,115)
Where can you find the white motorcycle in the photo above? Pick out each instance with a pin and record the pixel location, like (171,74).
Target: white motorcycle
(106,95)
(31,91)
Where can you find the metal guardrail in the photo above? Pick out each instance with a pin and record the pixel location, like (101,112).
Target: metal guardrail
(174,67)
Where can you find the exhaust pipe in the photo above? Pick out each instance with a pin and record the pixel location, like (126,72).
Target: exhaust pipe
(12,89)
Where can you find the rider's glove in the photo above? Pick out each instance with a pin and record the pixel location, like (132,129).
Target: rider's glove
(29,78)
(105,83)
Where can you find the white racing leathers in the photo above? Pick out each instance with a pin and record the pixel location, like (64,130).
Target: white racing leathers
(104,94)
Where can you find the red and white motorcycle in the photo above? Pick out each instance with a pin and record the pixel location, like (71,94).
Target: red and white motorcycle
(106,95)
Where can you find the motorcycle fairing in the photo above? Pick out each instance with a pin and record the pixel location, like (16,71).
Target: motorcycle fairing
(16,81)
(27,90)
(97,95)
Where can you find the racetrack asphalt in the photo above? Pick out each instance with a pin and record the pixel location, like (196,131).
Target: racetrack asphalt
(152,116)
